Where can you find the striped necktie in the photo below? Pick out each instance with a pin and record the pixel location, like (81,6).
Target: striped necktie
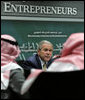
(44,67)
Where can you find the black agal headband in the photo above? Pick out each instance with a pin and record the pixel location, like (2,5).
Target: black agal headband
(11,42)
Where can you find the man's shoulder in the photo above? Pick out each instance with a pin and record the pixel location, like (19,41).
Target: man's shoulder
(32,58)
(33,61)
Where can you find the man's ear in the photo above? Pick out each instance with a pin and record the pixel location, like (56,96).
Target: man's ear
(38,51)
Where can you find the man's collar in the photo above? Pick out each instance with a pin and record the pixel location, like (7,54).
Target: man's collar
(42,62)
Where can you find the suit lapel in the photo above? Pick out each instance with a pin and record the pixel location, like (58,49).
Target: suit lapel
(38,62)
(49,62)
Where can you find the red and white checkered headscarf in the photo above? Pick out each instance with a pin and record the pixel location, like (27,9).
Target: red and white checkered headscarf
(73,50)
(9,52)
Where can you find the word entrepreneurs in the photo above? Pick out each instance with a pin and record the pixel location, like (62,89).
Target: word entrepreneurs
(17,8)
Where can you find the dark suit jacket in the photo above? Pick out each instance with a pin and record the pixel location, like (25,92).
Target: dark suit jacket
(34,62)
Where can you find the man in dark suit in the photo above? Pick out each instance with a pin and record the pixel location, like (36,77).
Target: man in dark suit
(42,58)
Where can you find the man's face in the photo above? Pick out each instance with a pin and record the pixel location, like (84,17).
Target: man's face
(46,52)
